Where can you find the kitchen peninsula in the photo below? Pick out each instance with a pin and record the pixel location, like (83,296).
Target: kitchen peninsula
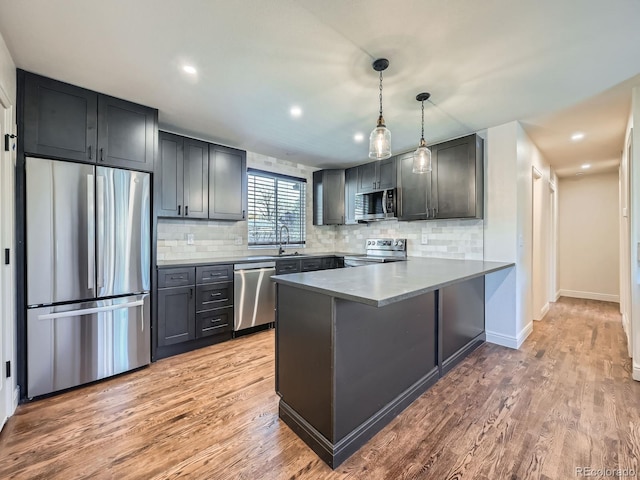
(356,346)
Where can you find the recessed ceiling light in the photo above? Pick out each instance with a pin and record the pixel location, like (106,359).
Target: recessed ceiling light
(585,166)
(358,137)
(190,69)
(576,137)
(295,111)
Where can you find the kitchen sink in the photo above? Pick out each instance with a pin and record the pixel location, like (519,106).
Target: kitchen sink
(289,254)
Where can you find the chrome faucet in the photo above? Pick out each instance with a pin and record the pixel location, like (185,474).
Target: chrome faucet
(280,249)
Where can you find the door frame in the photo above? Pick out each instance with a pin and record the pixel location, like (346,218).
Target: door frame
(7,272)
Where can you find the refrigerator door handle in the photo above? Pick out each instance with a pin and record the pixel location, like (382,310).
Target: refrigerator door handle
(100,219)
(91,233)
(88,311)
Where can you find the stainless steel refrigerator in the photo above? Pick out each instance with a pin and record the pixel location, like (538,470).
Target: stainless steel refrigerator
(88,273)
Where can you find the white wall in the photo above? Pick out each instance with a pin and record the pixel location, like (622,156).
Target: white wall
(542,228)
(588,237)
(7,229)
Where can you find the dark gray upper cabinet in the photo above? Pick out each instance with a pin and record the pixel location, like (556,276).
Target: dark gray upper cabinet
(350,189)
(169,176)
(59,119)
(457,178)
(413,190)
(453,189)
(376,175)
(227,183)
(126,133)
(71,123)
(196,178)
(328,197)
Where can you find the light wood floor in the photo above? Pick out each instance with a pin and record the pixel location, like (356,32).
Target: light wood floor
(565,400)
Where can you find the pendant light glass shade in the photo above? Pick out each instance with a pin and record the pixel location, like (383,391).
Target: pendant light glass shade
(380,138)
(380,142)
(422,155)
(422,159)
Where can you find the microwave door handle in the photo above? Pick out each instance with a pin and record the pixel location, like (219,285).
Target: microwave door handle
(384,203)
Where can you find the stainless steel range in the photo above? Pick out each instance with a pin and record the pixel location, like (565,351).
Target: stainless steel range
(379,250)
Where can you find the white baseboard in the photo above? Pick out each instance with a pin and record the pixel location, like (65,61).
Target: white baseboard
(543,311)
(636,373)
(508,340)
(557,296)
(16,397)
(604,297)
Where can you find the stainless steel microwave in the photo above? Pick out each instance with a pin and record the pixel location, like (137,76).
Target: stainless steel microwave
(379,205)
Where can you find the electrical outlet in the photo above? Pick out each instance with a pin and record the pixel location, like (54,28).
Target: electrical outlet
(425,238)
(238,240)
(190,239)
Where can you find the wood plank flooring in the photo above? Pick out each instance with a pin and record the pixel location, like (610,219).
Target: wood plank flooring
(565,400)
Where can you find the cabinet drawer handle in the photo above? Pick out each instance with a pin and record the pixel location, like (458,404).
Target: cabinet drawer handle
(215,294)
(216,327)
(191,293)
(90,154)
(180,277)
(186,210)
(179,208)
(102,154)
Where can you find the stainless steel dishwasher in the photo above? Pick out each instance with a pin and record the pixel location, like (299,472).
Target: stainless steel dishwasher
(254,294)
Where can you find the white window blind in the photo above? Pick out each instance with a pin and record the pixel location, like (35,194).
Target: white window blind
(275,200)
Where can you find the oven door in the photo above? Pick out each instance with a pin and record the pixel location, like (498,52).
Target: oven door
(361,261)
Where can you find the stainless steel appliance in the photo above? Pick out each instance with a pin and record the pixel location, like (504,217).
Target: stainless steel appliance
(379,250)
(254,294)
(372,206)
(88,273)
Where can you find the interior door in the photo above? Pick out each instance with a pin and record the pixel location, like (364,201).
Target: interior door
(60,231)
(123,229)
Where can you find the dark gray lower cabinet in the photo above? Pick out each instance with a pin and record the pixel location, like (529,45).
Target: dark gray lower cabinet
(195,307)
(176,310)
(462,311)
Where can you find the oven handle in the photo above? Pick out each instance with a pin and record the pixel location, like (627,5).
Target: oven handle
(384,203)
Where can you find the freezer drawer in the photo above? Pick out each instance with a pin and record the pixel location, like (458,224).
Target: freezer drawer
(74,344)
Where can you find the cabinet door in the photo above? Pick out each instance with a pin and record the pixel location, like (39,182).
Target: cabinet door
(350,189)
(126,134)
(59,119)
(367,177)
(387,173)
(169,176)
(457,178)
(176,315)
(333,197)
(227,183)
(413,191)
(196,178)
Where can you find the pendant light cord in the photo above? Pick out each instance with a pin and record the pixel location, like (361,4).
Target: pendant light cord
(422,135)
(381,93)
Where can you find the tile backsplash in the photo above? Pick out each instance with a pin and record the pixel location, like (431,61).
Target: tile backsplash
(462,239)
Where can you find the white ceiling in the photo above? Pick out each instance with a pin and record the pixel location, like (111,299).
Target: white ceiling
(552,64)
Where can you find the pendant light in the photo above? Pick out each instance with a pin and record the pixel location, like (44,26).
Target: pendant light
(380,138)
(422,156)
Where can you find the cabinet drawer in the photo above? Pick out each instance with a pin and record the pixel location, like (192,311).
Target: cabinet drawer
(215,295)
(213,322)
(311,264)
(176,277)
(214,273)
(287,266)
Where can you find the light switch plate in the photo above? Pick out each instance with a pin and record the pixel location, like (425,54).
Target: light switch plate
(425,238)
(239,240)
(190,238)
